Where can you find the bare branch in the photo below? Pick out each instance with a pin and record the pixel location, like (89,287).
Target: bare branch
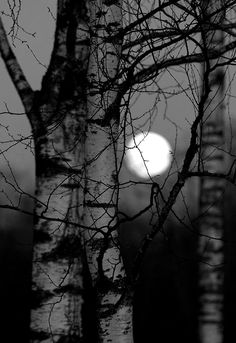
(14,69)
(146,16)
(152,71)
(52,219)
(181,179)
(168,34)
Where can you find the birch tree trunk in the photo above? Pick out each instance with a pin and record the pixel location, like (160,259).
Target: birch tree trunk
(114,310)
(57,267)
(59,126)
(210,245)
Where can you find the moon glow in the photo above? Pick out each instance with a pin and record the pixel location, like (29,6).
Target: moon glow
(148,154)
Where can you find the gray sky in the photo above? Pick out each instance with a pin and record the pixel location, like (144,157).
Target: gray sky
(33,53)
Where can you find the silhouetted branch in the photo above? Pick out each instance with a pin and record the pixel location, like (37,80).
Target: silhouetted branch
(14,69)
(181,179)
(152,71)
(174,32)
(146,16)
(42,216)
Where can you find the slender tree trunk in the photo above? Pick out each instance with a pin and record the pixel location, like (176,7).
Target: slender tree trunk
(210,245)
(57,267)
(59,127)
(114,310)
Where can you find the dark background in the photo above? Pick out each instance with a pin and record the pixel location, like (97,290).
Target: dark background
(165,304)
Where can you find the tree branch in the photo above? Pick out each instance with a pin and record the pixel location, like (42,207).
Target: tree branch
(150,72)
(16,73)
(53,219)
(181,179)
(145,17)
(173,32)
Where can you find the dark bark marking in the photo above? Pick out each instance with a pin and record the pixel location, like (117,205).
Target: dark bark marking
(219,157)
(67,248)
(41,237)
(71,338)
(211,321)
(110,2)
(99,122)
(39,296)
(70,288)
(104,205)
(74,185)
(51,166)
(38,336)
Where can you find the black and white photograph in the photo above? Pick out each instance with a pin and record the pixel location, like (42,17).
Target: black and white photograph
(117,171)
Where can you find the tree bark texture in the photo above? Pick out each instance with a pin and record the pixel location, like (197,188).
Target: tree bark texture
(211,224)
(58,128)
(114,310)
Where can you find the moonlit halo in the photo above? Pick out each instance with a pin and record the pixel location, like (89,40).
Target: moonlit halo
(148,154)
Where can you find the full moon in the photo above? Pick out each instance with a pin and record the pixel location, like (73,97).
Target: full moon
(148,154)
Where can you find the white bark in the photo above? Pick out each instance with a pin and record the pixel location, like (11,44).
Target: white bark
(210,248)
(57,275)
(57,266)
(114,311)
